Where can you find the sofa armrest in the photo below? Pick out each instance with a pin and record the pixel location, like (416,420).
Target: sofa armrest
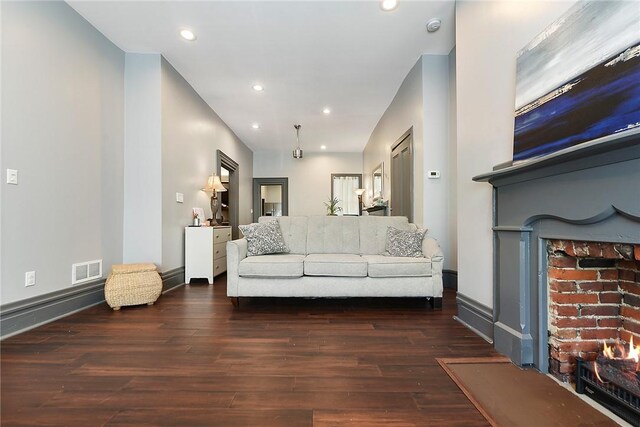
(432,251)
(236,252)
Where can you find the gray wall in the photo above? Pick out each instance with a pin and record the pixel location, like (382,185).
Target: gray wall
(404,111)
(84,193)
(422,102)
(309,177)
(435,152)
(142,166)
(453,165)
(488,35)
(62,128)
(191,134)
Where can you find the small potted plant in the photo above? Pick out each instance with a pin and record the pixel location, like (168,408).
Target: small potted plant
(332,206)
(196,218)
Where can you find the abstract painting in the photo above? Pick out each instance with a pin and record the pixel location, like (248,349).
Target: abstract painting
(579,80)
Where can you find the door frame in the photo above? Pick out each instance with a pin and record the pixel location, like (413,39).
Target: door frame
(259,182)
(222,160)
(407,134)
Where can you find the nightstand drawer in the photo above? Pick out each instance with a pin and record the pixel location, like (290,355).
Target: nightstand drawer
(219,250)
(220,266)
(221,235)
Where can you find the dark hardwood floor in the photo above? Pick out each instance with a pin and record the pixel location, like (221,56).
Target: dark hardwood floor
(191,359)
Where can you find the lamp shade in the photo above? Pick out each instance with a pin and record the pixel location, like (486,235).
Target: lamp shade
(360,191)
(214,184)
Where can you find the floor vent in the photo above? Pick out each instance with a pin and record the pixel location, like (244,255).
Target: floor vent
(85,271)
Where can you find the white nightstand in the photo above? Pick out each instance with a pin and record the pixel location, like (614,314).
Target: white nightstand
(205,254)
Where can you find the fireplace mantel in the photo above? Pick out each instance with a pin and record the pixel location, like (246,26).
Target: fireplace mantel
(587,193)
(591,154)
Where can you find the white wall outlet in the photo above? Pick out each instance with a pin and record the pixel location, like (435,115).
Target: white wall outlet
(12,176)
(30,278)
(179,198)
(433,174)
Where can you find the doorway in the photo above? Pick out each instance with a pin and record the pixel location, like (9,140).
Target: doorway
(401,199)
(270,197)
(343,187)
(229,171)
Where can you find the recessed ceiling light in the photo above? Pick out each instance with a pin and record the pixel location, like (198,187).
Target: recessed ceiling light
(388,5)
(323,147)
(255,126)
(258,87)
(187,35)
(327,110)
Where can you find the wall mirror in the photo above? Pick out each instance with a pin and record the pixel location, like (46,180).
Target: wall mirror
(378,179)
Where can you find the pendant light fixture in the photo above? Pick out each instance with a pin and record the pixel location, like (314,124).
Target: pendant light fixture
(297,153)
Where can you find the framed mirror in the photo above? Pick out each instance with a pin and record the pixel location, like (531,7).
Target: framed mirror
(377,181)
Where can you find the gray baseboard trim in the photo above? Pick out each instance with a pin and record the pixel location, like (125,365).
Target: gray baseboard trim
(21,316)
(514,344)
(172,279)
(450,279)
(476,316)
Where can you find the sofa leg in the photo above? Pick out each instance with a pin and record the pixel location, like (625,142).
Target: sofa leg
(436,303)
(235,301)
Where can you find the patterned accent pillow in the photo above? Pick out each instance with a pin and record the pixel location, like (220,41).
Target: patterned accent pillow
(264,238)
(405,243)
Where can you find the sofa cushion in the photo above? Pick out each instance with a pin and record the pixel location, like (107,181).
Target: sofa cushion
(373,232)
(282,266)
(405,243)
(294,231)
(343,265)
(264,238)
(389,266)
(333,235)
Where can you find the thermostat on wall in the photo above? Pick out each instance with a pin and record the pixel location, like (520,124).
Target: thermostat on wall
(433,174)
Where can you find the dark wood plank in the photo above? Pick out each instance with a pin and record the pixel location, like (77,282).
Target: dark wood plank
(192,359)
(212,417)
(397,418)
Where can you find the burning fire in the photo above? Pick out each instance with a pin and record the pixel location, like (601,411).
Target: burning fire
(618,352)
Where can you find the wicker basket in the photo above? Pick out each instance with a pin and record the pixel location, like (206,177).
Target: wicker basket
(132,284)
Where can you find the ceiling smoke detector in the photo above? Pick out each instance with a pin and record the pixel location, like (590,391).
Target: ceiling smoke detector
(433,25)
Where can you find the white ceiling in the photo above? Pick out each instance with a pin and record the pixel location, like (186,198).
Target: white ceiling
(347,55)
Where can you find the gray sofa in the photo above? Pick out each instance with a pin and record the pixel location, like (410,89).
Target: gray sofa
(335,256)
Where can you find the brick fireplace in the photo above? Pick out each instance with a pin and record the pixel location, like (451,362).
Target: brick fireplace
(594,297)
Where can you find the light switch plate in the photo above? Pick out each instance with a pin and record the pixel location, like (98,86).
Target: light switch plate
(12,176)
(433,174)
(179,198)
